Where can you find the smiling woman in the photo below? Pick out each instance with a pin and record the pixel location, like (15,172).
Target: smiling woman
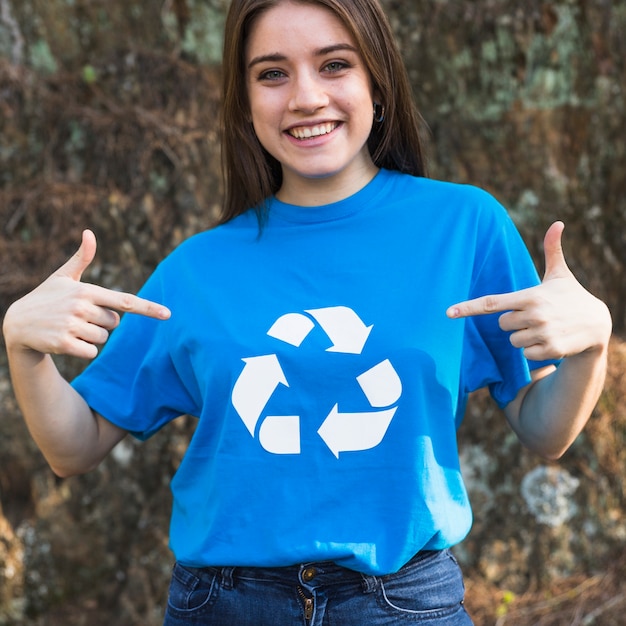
(330,361)
(361,31)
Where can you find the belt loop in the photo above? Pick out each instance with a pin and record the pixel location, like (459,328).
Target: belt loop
(369,583)
(227,577)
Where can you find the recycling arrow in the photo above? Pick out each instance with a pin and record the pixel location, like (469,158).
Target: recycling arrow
(381,384)
(280,434)
(352,432)
(261,376)
(344,328)
(292,328)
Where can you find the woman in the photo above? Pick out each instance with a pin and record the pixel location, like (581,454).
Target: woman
(322,351)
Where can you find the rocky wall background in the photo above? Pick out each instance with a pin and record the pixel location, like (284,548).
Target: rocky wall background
(108,116)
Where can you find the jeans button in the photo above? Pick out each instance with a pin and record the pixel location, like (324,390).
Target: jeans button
(308,574)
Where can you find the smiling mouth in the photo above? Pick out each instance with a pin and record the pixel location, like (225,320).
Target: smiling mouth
(306,132)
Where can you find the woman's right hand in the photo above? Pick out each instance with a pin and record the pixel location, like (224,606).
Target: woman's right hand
(66,316)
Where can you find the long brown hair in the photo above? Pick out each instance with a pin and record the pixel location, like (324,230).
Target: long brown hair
(251,174)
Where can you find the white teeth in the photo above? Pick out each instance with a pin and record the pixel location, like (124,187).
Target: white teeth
(306,132)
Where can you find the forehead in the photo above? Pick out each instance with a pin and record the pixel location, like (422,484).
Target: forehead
(295,24)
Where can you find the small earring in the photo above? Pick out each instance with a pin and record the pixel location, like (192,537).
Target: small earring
(379,112)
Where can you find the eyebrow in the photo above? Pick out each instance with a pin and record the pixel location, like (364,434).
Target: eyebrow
(277,56)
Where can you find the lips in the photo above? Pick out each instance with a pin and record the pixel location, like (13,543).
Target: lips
(306,132)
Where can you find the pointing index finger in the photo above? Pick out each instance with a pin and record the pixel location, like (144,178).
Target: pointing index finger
(485,305)
(129,303)
(140,306)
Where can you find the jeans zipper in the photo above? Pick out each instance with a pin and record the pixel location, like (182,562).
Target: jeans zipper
(308,605)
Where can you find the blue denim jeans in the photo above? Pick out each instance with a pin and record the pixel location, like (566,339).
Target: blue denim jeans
(428,591)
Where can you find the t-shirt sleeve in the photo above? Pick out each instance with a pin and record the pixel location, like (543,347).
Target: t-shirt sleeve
(134,382)
(502,265)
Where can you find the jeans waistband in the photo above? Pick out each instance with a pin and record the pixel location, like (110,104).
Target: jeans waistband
(311,574)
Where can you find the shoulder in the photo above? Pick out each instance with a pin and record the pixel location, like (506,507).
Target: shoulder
(441,199)
(214,242)
(443,189)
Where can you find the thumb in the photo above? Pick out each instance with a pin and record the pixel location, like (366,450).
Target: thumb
(80,261)
(556,267)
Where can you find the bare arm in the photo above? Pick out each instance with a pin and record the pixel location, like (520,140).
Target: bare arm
(558,319)
(65,316)
(71,436)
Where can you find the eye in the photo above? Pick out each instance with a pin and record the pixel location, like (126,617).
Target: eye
(336,66)
(271,75)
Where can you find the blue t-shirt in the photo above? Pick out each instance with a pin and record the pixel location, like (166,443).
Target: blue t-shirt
(327,380)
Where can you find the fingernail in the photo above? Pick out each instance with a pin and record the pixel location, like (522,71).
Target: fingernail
(453,312)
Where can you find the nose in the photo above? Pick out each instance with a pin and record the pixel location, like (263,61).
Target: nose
(308,94)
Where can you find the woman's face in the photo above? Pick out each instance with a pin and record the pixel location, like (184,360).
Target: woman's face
(311,100)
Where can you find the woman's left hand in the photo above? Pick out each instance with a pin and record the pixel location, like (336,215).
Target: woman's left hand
(556,319)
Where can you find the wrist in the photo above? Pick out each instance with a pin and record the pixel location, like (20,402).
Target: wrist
(603,328)
(13,336)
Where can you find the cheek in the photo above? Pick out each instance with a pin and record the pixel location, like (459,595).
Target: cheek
(360,102)
(264,110)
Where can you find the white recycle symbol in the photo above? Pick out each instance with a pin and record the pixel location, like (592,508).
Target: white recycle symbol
(342,432)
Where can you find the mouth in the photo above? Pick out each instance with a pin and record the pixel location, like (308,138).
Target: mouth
(307,132)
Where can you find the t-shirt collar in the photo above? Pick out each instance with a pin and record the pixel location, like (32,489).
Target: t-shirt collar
(358,201)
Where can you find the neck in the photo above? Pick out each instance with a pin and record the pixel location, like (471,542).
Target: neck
(325,190)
